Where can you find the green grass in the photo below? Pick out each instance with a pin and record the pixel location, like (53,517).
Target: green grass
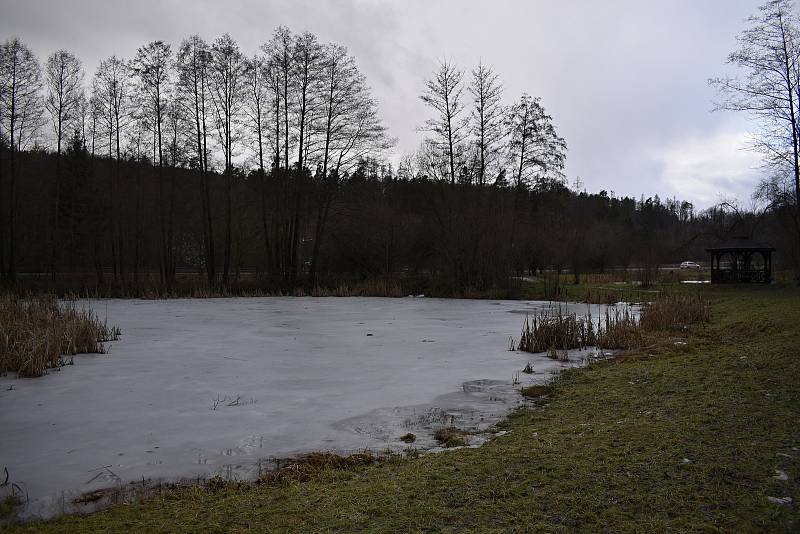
(683,440)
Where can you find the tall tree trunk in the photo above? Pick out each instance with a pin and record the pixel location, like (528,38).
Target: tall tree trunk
(2,221)
(119,181)
(263,178)
(322,213)
(228,201)
(163,261)
(171,220)
(54,228)
(286,119)
(138,222)
(112,205)
(11,270)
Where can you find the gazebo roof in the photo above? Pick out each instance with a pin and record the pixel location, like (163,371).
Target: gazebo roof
(741,244)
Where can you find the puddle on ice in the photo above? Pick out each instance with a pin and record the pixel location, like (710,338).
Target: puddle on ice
(195,388)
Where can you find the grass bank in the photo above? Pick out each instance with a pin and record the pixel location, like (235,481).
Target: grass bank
(694,437)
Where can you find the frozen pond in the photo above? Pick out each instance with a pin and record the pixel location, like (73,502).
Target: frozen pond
(213,386)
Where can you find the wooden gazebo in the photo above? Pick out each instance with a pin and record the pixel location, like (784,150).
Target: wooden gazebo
(741,260)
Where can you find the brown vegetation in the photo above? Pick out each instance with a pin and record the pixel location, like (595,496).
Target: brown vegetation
(36,332)
(619,329)
(451,436)
(674,311)
(545,331)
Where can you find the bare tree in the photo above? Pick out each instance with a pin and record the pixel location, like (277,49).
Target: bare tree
(110,89)
(257,103)
(20,120)
(151,66)
(488,115)
(443,93)
(307,55)
(94,122)
(304,84)
(227,70)
(193,64)
(176,125)
(769,91)
(280,61)
(83,119)
(140,129)
(64,81)
(536,151)
(350,130)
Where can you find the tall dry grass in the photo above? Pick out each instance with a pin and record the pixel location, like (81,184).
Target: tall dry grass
(37,332)
(674,311)
(620,328)
(547,331)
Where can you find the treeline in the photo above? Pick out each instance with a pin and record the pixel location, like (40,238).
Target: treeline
(378,223)
(203,160)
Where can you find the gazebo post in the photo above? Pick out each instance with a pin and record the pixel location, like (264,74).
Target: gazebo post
(768,267)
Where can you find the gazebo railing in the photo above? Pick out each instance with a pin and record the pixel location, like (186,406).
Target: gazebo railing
(757,276)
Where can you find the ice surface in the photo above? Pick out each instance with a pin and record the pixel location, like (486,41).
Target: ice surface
(212,386)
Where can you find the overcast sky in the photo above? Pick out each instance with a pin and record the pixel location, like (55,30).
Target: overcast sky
(625,81)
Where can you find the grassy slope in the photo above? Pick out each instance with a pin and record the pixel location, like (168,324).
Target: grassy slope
(605,452)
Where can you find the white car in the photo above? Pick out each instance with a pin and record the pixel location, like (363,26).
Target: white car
(690,265)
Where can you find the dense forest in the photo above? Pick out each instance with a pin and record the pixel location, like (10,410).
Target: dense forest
(275,167)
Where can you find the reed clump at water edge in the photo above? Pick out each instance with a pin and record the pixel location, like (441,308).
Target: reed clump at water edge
(619,328)
(547,331)
(36,333)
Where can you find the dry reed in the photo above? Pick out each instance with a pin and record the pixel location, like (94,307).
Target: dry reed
(620,328)
(37,332)
(674,312)
(545,331)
